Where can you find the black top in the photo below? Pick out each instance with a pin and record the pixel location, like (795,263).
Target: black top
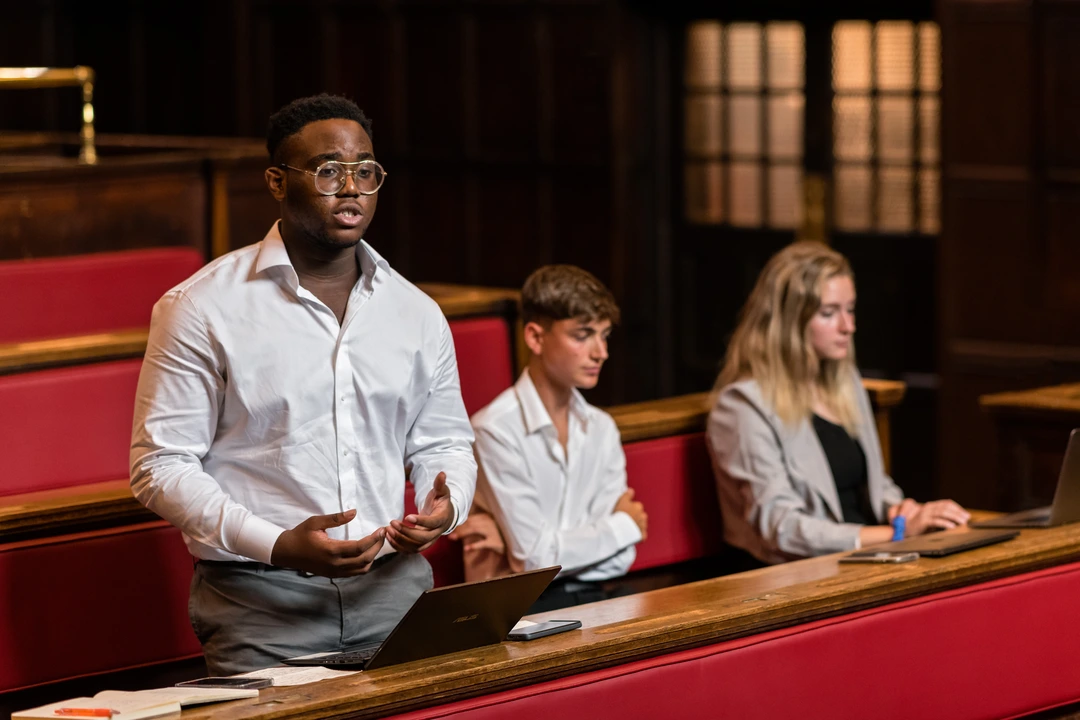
(848,464)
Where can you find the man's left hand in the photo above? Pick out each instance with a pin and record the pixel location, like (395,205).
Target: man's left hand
(419,531)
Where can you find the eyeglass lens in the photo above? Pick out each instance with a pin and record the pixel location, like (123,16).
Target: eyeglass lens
(330,177)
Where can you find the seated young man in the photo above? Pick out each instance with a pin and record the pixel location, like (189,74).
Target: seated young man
(552,472)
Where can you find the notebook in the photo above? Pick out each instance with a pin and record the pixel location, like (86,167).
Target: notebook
(1066,505)
(445,620)
(136,705)
(940,544)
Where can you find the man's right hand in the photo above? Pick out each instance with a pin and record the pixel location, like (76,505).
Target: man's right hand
(307,547)
(634,509)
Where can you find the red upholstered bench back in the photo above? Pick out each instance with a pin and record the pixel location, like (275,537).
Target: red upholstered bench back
(484,357)
(93,602)
(67,426)
(673,478)
(84,294)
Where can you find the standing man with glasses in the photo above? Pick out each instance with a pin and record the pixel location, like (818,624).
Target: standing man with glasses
(287,388)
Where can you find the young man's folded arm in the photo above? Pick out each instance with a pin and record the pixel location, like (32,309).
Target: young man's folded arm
(531,540)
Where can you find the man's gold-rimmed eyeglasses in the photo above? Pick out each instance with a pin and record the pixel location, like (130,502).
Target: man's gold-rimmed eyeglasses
(330,177)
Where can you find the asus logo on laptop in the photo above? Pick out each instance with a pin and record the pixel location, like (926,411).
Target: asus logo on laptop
(467,618)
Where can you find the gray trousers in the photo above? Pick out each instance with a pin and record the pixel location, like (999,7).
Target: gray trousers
(250,616)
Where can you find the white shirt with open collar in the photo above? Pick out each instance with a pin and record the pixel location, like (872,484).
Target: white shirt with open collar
(554,507)
(256,409)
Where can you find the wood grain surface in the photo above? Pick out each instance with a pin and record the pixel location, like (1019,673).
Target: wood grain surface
(662,621)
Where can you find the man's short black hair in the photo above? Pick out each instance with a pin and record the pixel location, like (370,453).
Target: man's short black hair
(292,118)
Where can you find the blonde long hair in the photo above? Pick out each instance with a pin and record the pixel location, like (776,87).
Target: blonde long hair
(772,342)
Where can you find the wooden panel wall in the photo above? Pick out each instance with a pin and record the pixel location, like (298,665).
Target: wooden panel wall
(514,132)
(1009,254)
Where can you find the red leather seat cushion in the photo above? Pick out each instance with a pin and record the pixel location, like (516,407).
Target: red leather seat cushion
(93,602)
(83,294)
(998,649)
(673,478)
(68,426)
(484,357)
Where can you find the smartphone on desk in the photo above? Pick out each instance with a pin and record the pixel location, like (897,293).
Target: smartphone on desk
(531,630)
(244,683)
(871,556)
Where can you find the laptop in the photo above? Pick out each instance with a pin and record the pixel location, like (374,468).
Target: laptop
(1066,506)
(940,544)
(445,620)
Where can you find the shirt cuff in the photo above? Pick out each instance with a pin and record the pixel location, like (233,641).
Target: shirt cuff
(626,531)
(257,538)
(852,541)
(457,515)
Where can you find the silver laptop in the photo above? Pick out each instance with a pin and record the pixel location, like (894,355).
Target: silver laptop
(1066,506)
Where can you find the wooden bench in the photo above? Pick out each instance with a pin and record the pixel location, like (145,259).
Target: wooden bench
(65,503)
(987,633)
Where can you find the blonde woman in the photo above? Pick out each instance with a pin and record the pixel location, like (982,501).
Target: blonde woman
(797,460)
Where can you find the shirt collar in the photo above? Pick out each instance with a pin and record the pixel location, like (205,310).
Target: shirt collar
(272,253)
(536,415)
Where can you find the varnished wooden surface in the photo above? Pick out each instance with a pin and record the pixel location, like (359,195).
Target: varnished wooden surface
(459,301)
(37,354)
(1055,400)
(61,510)
(662,621)
(687,413)
(456,301)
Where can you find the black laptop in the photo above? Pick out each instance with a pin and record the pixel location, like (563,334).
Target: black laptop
(940,544)
(1066,506)
(445,620)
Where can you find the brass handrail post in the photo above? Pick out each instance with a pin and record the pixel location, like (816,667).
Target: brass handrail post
(80,76)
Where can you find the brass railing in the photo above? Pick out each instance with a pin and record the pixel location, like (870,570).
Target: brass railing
(79,76)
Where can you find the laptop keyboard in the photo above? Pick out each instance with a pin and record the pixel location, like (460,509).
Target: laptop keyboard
(355,657)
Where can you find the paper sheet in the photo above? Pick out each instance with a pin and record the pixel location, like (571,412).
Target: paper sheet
(283,676)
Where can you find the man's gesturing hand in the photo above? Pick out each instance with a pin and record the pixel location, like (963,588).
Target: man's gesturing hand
(418,532)
(307,547)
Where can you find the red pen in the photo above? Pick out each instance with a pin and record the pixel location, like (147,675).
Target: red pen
(86,712)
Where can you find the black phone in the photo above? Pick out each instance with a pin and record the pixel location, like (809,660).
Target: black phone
(246,683)
(543,629)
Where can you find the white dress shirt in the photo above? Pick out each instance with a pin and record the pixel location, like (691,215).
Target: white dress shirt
(554,509)
(256,409)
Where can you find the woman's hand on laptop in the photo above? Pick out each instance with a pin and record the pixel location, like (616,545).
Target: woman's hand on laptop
(307,547)
(419,531)
(935,515)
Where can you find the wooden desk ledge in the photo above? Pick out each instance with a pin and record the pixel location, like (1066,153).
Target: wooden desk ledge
(66,510)
(111,503)
(688,413)
(653,623)
(38,354)
(456,301)
(1054,399)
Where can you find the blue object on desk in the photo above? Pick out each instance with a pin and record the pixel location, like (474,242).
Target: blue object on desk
(899,526)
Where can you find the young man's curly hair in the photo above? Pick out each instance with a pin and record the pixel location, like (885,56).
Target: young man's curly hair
(292,118)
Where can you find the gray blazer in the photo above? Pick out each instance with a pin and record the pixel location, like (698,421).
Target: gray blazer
(777,495)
